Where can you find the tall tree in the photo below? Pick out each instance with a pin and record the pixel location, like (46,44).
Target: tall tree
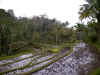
(5,20)
(92,10)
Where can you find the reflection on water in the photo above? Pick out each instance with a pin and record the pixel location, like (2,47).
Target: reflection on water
(79,62)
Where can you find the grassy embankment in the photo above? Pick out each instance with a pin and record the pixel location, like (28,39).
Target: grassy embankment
(55,50)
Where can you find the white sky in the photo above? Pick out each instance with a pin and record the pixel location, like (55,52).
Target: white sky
(63,10)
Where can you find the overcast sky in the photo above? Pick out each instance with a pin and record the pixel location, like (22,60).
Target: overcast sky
(63,10)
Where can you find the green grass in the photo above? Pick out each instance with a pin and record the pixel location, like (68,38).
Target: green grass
(13,56)
(27,66)
(96,72)
(54,50)
(37,69)
(44,66)
(22,52)
(16,61)
(17,55)
(96,45)
(97,50)
(20,68)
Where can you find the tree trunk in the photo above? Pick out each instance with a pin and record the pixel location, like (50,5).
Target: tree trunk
(98,27)
(4,40)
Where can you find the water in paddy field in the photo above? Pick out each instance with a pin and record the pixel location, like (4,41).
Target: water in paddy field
(79,62)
